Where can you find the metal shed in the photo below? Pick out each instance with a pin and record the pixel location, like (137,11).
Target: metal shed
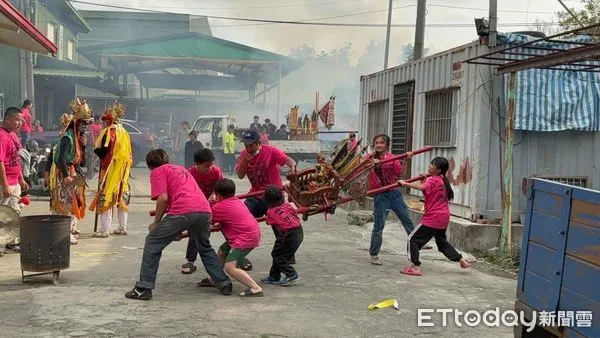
(460,108)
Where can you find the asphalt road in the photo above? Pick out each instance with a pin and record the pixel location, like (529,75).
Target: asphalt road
(337,284)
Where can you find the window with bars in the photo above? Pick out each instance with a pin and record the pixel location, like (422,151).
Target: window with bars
(378,120)
(70,50)
(51,32)
(578,181)
(440,106)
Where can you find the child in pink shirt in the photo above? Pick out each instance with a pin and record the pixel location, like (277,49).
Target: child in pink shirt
(241,232)
(438,192)
(283,216)
(385,174)
(184,207)
(206,174)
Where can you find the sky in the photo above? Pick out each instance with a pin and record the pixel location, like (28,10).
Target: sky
(299,87)
(280,38)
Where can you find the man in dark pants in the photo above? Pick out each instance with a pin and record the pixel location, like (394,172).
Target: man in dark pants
(261,164)
(178,196)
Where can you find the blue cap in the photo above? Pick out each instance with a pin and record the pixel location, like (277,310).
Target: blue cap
(250,136)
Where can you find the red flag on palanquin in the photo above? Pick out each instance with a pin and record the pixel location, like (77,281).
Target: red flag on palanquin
(327,113)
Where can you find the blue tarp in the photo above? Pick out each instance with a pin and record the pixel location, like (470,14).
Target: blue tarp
(555,100)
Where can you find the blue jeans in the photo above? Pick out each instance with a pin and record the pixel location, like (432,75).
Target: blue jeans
(385,201)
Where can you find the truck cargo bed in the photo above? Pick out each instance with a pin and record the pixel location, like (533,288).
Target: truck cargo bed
(560,259)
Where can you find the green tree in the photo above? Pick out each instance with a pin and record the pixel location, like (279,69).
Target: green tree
(588,15)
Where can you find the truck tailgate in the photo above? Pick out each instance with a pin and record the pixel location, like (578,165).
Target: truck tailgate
(560,255)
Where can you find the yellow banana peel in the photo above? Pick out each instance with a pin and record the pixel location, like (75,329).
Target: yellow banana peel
(385,304)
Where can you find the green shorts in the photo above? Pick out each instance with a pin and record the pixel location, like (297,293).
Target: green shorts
(234,254)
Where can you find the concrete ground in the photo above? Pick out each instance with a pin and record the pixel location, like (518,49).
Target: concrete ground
(337,284)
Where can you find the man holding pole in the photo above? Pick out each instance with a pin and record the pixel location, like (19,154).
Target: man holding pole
(261,163)
(113,147)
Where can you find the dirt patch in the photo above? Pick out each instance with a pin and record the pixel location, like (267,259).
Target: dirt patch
(498,263)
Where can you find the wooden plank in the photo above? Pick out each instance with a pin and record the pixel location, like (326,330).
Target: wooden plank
(548,203)
(545,230)
(583,242)
(585,213)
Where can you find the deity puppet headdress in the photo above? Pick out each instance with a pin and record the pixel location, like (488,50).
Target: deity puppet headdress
(114,113)
(81,111)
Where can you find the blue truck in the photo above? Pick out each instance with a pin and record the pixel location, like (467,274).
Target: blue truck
(559,275)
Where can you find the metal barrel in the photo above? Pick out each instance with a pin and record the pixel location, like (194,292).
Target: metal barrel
(45,243)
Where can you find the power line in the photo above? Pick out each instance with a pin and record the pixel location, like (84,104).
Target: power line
(486,9)
(317,4)
(261,7)
(298,22)
(306,22)
(434,25)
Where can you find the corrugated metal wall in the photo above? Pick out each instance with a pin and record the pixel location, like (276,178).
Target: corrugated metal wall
(568,154)
(471,117)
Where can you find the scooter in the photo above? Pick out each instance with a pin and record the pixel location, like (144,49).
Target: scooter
(38,162)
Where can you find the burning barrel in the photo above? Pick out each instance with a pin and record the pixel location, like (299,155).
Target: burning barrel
(45,245)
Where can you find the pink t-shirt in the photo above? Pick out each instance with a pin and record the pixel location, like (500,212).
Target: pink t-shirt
(390,172)
(240,228)
(9,155)
(283,217)
(207,181)
(437,213)
(27,120)
(185,196)
(263,169)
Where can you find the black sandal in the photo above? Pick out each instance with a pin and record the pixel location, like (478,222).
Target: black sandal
(192,268)
(249,293)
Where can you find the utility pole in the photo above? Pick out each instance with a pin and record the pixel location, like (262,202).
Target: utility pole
(26,64)
(420,30)
(493,23)
(387,36)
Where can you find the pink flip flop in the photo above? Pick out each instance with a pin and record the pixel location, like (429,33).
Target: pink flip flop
(409,270)
(466,265)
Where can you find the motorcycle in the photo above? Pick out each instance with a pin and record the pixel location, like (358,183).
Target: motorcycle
(34,161)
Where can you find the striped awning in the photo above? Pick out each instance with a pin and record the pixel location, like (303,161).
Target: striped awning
(555,100)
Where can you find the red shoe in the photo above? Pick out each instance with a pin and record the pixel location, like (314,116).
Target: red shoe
(410,270)
(465,264)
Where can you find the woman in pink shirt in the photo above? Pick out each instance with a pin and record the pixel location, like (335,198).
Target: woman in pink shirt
(241,232)
(382,175)
(438,192)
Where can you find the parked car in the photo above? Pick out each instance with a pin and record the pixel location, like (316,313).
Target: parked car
(142,140)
